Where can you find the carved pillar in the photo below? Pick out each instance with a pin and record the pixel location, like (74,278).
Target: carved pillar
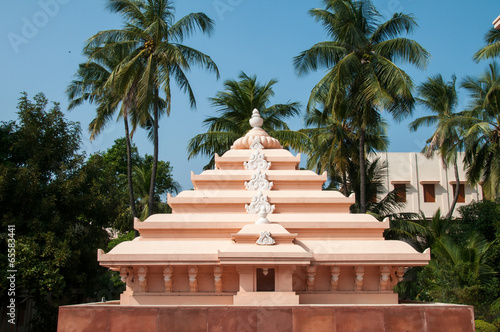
(385,272)
(193,281)
(334,281)
(167,277)
(218,278)
(400,272)
(360,272)
(143,281)
(311,273)
(123,274)
(127,276)
(397,274)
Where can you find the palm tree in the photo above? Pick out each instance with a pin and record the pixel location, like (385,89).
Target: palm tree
(155,56)
(492,49)
(440,98)
(360,58)
(141,176)
(234,107)
(90,86)
(482,136)
(335,143)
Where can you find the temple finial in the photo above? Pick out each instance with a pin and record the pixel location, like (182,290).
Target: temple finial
(256,121)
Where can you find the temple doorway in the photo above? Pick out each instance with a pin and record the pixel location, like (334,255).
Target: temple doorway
(265,280)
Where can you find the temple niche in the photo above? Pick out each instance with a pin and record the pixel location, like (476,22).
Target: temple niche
(256,230)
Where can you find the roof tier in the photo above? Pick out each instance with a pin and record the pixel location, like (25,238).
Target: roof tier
(257,207)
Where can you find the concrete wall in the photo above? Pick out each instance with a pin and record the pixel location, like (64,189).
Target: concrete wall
(414,169)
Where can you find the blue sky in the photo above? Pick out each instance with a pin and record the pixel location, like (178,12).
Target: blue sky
(41,43)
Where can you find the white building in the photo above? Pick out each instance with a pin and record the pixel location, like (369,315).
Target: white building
(429,184)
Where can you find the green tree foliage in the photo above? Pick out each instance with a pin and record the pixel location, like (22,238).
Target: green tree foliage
(441,98)
(91,84)
(482,326)
(492,48)
(360,59)
(482,217)
(164,184)
(60,206)
(482,134)
(335,143)
(154,56)
(464,267)
(235,105)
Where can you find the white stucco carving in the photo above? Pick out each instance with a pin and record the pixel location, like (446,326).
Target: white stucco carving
(265,239)
(256,145)
(258,202)
(257,161)
(258,182)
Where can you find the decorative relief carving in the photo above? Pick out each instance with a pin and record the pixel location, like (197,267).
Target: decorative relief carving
(193,281)
(334,281)
(258,182)
(360,272)
(257,161)
(257,203)
(311,274)
(256,145)
(265,239)
(167,278)
(143,281)
(262,215)
(218,278)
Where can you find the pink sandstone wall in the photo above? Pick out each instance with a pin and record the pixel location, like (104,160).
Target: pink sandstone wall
(353,318)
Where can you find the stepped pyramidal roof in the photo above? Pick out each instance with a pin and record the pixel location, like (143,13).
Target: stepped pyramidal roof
(257,230)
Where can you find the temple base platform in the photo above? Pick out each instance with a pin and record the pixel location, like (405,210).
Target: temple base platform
(112,317)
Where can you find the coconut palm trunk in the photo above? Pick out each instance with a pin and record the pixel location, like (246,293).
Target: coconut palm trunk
(129,168)
(362,171)
(344,183)
(155,153)
(457,190)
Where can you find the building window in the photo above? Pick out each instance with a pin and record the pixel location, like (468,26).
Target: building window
(400,189)
(461,192)
(429,193)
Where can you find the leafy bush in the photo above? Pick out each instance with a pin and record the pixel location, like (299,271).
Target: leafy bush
(482,326)
(482,217)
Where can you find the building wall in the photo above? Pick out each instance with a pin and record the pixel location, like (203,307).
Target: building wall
(414,170)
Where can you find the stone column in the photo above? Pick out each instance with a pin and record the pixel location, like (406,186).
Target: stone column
(143,281)
(193,281)
(218,278)
(359,272)
(334,281)
(311,273)
(385,272)
(167,278)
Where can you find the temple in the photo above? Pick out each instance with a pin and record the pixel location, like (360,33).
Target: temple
(257,230)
